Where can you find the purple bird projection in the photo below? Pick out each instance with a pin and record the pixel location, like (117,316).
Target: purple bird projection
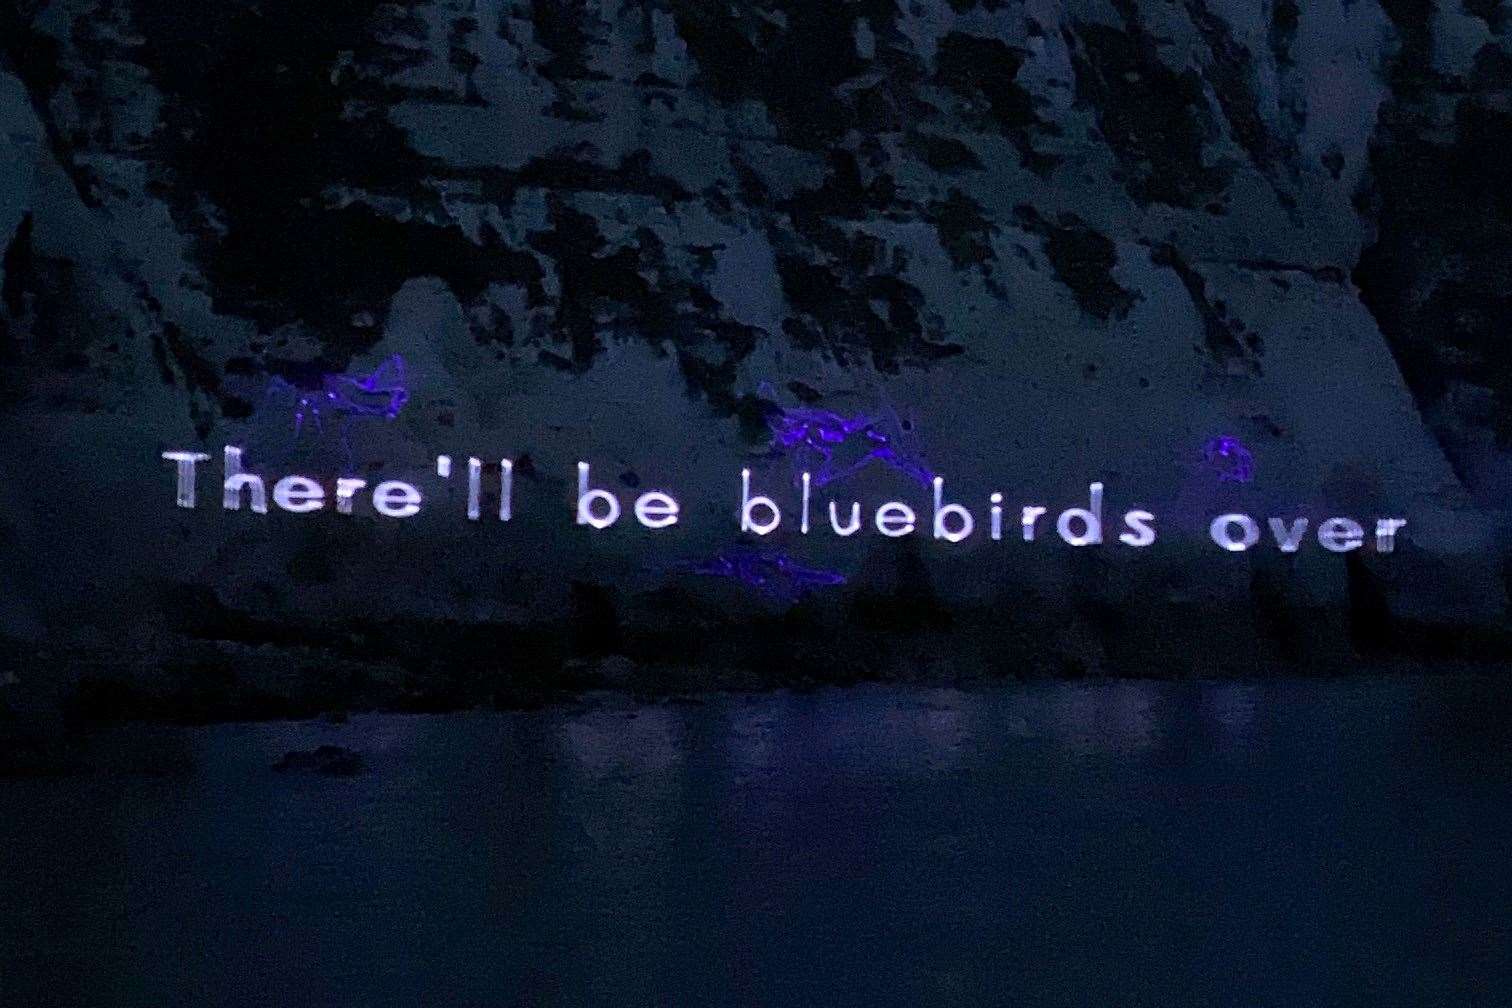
(813,437)
(1233,461)
(770,572)
(379,395)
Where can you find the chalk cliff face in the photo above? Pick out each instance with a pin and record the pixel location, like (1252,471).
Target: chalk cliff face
(1046,243)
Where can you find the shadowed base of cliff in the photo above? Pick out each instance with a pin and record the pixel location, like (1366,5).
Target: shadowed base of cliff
(216,663)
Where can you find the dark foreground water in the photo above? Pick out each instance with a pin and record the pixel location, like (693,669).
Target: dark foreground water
(1295,843)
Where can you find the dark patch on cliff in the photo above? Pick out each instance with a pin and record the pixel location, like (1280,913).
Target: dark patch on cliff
(577,171)
(942,154)
(1231,73)
(606,293)
(594,280)
(35,57)
(859,308)
(1412,70)
(1225,340)
(463,60)
(845,194)
(1322,274)
(845,287)
(792,56)
(282,250)
(50,293)
(1286,16)
(1083,260)
(1155,119)
(15,276)
(198,372)
(200,376)
(1438,278)
(965,232)
(560,29)
(309,209)
(1490,11)
(18,265)
(32,54)
(1492,70)
(983,71)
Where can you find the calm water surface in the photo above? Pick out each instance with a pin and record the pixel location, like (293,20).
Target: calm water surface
(1127,843)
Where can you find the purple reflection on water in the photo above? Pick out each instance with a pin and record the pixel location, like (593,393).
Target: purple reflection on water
(772,572)
(1228,455)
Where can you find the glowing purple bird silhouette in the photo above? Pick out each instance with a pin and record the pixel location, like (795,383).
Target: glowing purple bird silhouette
(1228,455)
(774,573)
(381,394)
(348,398)
(812,437)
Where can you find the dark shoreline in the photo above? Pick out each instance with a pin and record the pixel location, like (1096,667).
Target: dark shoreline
(1269,843)
(44,733)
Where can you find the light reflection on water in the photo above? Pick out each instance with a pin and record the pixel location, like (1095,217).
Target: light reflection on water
(1100,843)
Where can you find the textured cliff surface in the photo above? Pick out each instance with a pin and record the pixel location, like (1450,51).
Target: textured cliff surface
(1061,242)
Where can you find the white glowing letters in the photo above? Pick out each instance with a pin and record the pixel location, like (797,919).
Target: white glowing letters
(1237,533)
(600,508)
(294,494)
(760,514)
(951,522)
(942,511)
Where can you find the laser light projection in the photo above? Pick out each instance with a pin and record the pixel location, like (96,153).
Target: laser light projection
(760,514)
